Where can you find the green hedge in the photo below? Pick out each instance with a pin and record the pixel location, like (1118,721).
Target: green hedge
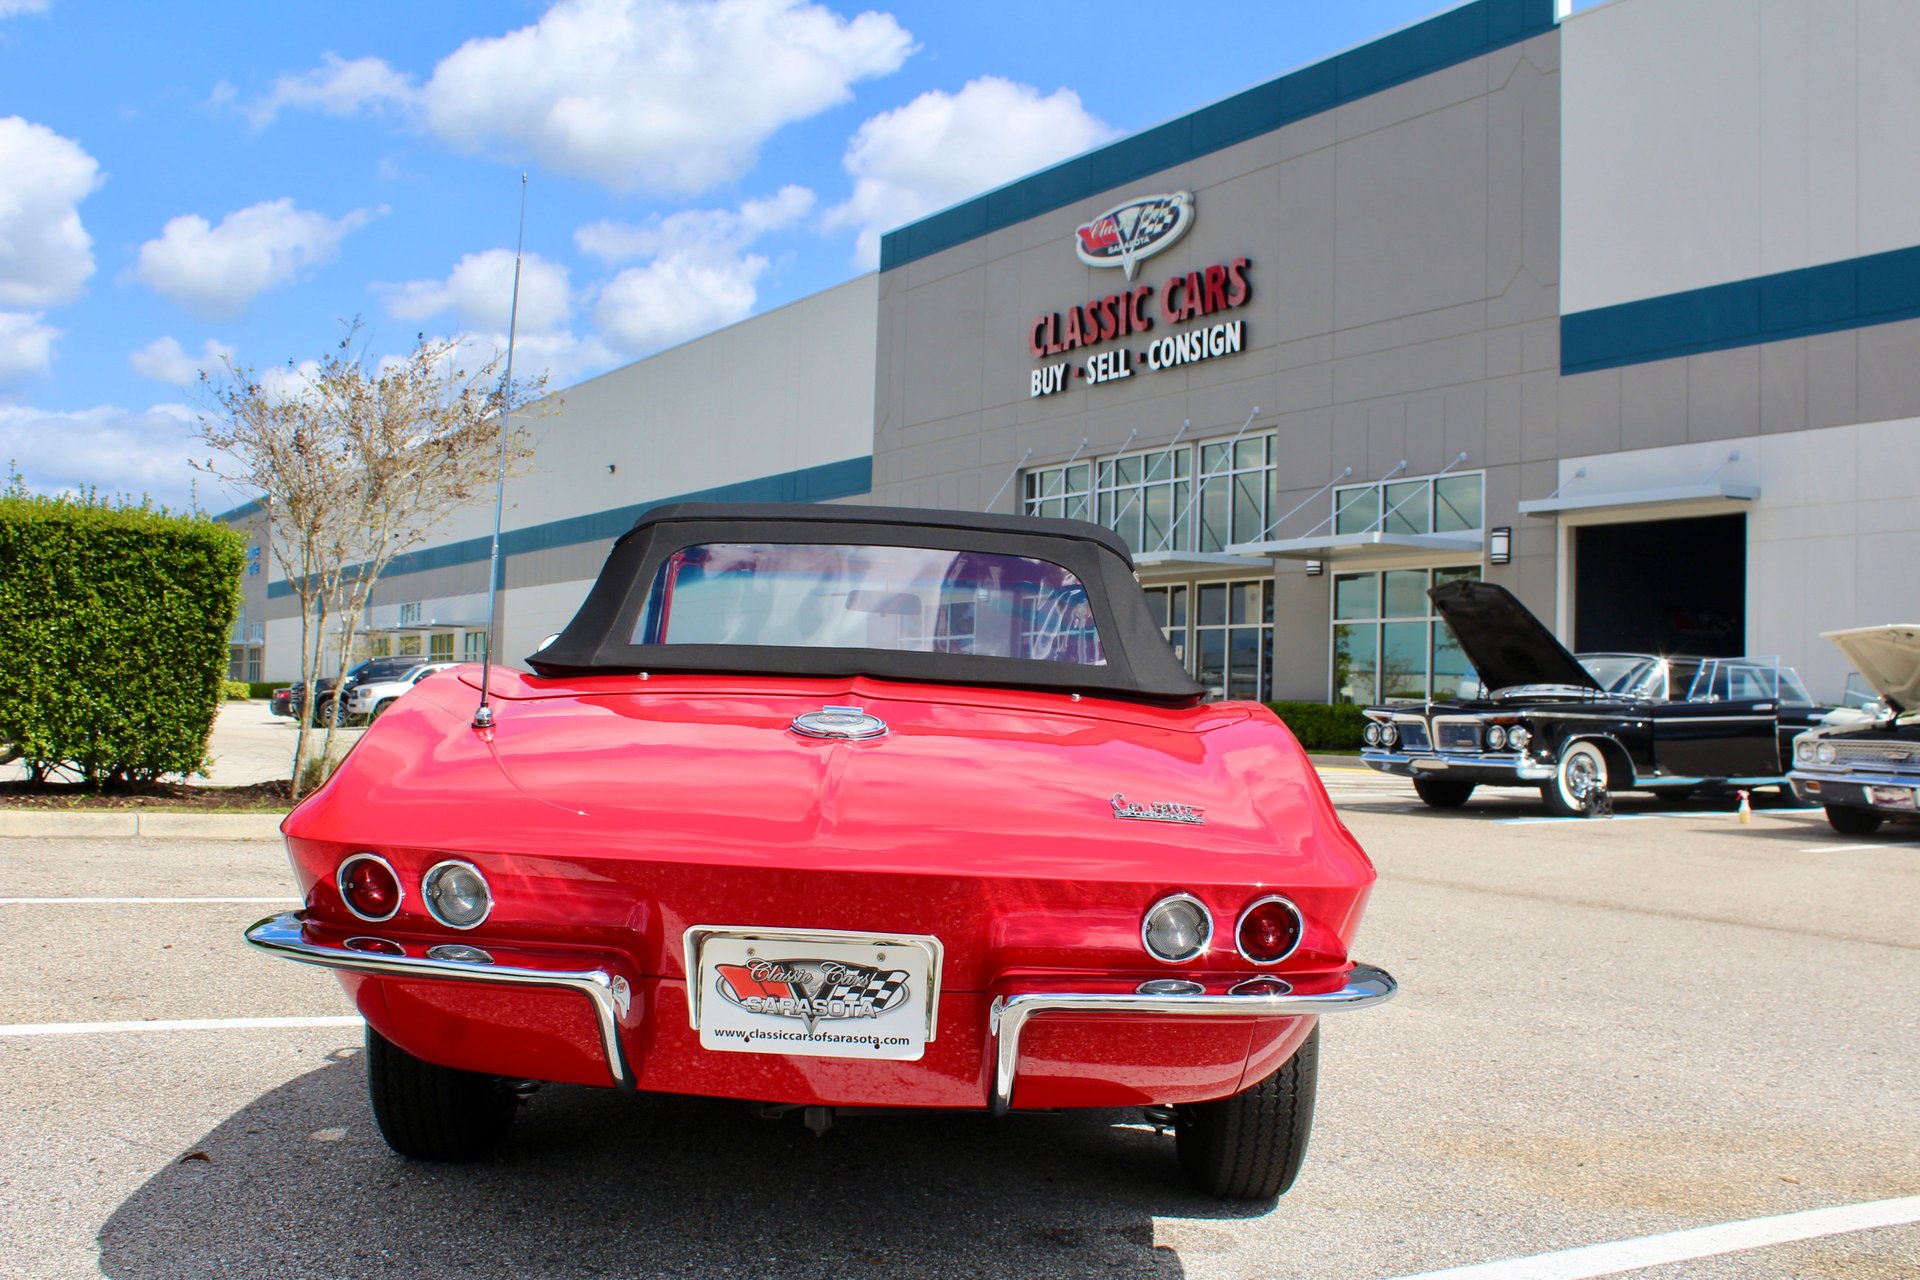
(1321,727)
(264,688)
(114,623)
(235,690)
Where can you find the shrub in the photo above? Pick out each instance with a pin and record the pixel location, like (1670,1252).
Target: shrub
(1323,727)
(235,690)
(264,688)
(114,624)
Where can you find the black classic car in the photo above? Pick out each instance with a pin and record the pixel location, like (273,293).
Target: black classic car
(1868,770)
(1570,727)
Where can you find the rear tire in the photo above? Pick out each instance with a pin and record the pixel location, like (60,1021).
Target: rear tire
(1251,1146)
(1849,821)
(428,1112)
(1582,767)
(1441,793)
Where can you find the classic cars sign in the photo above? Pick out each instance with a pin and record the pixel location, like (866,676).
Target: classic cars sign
(821,998)
(1139,228)
(1122,237)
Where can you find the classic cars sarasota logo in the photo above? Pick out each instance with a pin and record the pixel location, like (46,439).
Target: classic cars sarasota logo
(1157,811)
(1138,229)
(812,990)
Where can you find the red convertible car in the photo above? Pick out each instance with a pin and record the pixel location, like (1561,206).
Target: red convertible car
(828,808)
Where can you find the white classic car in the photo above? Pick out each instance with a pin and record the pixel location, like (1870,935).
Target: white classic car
(367,701)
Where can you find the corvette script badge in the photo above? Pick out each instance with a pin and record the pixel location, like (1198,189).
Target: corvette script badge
(1157,811)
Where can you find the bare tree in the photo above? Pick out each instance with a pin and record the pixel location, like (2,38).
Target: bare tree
(357,461)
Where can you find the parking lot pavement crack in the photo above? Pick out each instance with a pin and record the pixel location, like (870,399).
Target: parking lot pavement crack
(1638,909)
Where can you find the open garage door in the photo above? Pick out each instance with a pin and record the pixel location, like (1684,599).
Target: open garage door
(1661,586)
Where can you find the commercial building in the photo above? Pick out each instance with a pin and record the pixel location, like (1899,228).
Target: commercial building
(1618,309)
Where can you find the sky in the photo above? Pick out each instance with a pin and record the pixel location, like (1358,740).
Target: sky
(189,184)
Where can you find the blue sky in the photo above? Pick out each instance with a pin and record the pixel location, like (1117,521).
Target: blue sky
(189,180)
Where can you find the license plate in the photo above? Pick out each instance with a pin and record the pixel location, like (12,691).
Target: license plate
(815,994)
(1891,797)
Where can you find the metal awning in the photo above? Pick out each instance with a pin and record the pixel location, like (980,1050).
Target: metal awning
(1718,491)
(1373,545)
(1191,561)
(431,624)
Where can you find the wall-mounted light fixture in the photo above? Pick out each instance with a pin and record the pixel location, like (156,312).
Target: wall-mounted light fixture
(1500,545)
(1315,568)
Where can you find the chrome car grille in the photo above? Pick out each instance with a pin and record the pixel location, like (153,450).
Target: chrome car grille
(1457,735)
(1413,733)
(1877,755)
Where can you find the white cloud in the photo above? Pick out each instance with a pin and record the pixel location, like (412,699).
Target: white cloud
(667,95)
(479,292)
(945,147)
(108,448)
(165,360)
(700,277)
(214,272)
(339,87)
(26,346)
(13,8)
(46,255)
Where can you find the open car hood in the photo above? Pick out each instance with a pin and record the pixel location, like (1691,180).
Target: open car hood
(1507,645)
(1888,656)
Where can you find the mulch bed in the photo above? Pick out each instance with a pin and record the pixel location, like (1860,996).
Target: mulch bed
(261,797)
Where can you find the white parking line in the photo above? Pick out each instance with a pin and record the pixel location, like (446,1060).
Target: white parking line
(172,1024)
(1862,844)
(1680,1246)
(281,900)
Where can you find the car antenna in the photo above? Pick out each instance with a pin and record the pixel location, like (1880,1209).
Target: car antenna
(483,716)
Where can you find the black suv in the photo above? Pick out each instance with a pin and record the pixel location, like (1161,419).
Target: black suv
(325,704)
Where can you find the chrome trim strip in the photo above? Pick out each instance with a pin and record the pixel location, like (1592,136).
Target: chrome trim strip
(1411,764)
(282,936)
(1810,773)
(340,886)
(1007,1016)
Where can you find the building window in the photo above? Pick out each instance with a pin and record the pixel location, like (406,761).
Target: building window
(476,647)
(1222,632)
(410,646)
(1236,491)
(410,614)
(1059,492)
(440,646)
(1388,644)
(253,667)
(1142,497)
(379,646)
(1430,504)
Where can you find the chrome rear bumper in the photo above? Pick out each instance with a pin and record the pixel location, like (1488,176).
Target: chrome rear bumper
(1365,987)
(282,936)
(1495,770)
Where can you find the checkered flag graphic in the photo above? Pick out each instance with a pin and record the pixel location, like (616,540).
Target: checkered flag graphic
(876,993)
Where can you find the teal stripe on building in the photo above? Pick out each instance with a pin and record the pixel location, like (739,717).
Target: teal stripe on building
(1470,31)
(1878,289)
(848,479)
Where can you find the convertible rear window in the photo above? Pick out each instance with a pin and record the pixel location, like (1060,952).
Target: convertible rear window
(902,599)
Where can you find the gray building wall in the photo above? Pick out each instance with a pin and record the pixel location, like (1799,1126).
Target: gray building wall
(1405,250)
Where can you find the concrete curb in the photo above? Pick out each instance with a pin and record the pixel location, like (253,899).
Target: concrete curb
(132,823)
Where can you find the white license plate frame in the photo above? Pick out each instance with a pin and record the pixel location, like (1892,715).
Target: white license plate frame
(813,992)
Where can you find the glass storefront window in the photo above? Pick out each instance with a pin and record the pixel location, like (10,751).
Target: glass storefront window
(1388,645)
(440,646)
(1236,487)
(1227,643)
(1141,495)
(1433,504)
(475,646)
(1059,492)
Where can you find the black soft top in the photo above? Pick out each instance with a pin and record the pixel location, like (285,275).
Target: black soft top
(1139,662)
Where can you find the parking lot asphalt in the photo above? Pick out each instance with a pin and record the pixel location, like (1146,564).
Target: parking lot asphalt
(1608,1031)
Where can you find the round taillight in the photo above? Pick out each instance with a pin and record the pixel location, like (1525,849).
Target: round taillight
(1269,930)
(1177,929)
(369,887)
(457,894)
